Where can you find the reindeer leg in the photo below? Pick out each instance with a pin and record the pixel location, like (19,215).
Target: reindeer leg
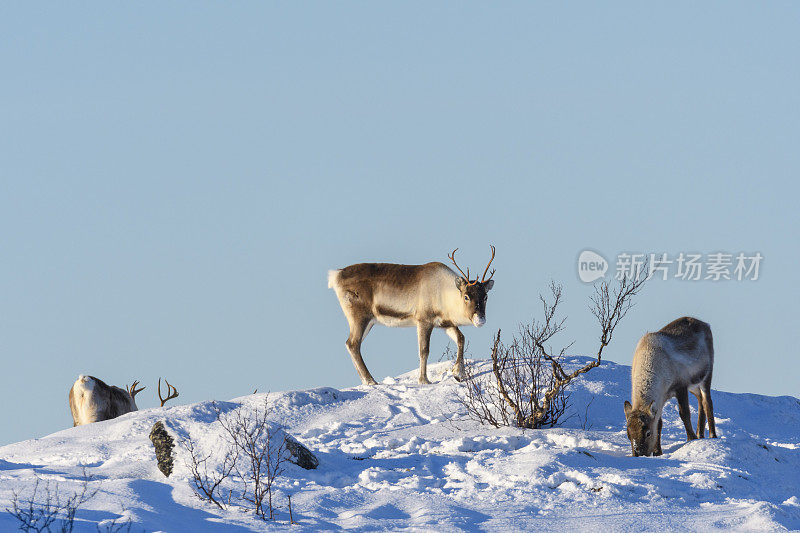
(424,337)
(658,450)
(458,337)
(701,416)
(708,407)
(359,330)
(682,395)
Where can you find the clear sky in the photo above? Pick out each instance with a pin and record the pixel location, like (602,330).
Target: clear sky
(177,178)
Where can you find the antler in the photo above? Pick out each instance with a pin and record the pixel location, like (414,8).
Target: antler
(483,278)
(172,392)
(133,391)
(452,257)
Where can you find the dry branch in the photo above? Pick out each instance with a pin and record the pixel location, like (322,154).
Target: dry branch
(529,389)
(608,307)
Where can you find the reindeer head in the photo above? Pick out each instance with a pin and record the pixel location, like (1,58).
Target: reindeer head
(642,429)
(474,293)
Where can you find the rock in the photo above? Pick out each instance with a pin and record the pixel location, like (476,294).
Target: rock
(163,443)
(299,454)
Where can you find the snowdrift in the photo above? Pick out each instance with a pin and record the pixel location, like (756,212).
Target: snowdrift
(403,456)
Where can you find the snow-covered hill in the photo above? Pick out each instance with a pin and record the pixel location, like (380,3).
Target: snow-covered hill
(402,456)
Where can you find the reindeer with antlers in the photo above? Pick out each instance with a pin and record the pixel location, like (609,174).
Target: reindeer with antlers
(92,400)
(426,296)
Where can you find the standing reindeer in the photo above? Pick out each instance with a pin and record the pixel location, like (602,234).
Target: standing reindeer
(92,400)
(426,296)
(670,363)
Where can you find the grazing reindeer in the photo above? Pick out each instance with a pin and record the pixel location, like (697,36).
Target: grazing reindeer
(92,400)
(676,360)
(426,296)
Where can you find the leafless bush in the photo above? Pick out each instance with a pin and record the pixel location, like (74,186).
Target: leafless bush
(46,510)
(207,479)
(249,463)
(585,424)
(528,384)
(524,376)
(261,449)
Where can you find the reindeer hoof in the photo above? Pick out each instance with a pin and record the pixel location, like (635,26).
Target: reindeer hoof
(424,381)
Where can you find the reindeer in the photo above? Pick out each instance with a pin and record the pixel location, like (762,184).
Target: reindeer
(92,400)
(670,363)
(426,296)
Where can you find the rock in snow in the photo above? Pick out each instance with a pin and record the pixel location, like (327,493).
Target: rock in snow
(299,454)
(404,456)
(163,444)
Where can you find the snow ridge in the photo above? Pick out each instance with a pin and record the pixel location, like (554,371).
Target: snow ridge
(400,456)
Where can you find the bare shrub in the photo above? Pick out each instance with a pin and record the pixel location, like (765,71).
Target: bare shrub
(524,376)
(45,509)
(528,384)
(261,450)
(248,465)
(208,479)
(585,424)
(291,516)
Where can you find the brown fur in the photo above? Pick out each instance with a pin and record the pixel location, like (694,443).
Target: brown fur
(426,296)
(671,362)
(103,402)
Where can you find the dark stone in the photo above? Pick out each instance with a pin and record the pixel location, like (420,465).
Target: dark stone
(163,443)
(299,454)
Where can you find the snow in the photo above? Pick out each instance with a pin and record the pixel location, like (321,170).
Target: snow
(403,456)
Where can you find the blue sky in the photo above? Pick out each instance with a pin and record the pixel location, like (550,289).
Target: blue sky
(176,180)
